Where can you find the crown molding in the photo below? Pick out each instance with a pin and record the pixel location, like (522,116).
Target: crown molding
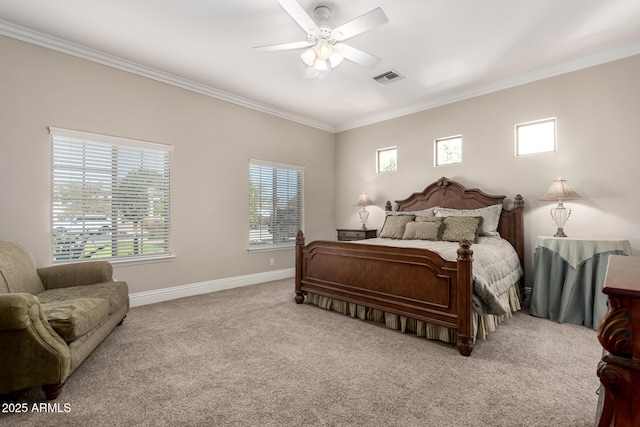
(44,40)
(543,73)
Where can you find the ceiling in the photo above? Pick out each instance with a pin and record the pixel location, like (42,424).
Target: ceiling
(447,50)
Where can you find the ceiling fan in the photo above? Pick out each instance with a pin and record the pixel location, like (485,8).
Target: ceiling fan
(324,46)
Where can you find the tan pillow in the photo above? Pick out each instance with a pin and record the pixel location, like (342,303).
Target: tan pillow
(457,228)
(490,217)
(425,230)
(394,226)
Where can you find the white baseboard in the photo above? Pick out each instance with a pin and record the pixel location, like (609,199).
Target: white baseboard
(166,294)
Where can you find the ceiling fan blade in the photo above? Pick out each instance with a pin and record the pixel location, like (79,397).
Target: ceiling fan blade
(359,57)
(293,8)
(284,46)
(359,25)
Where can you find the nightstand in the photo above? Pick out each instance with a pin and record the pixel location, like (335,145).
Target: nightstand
(568,274)
(356,234)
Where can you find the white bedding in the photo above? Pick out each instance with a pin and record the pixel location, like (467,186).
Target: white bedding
(496,267)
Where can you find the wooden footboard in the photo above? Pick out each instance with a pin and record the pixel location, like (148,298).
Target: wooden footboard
(415,283)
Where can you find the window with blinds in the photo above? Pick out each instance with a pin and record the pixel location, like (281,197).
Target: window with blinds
(275,204)
(110,197)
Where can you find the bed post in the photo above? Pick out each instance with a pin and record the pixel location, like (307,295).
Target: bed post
(299,246)
(518,207)
(465,287)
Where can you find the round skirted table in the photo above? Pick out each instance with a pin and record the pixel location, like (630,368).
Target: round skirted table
(568,274)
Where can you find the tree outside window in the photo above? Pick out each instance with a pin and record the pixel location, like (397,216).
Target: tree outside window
(448,151)
(387,159)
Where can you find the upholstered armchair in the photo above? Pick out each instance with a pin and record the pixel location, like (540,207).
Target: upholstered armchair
(52,318)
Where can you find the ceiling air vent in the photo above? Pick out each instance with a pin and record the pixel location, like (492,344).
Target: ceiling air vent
(388,77)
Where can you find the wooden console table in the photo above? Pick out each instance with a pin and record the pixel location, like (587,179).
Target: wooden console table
(619,334)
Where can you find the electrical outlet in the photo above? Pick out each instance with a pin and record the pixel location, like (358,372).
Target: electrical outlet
(272,261)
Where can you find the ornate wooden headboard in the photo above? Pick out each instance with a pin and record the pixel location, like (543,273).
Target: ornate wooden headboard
(450,194)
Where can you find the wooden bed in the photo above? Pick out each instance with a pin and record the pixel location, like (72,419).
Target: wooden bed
(415,283)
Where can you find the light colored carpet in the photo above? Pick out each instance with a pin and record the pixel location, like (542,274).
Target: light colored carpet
(252,357)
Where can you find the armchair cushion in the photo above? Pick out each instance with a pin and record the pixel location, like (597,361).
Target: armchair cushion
(75,317)
(116,293)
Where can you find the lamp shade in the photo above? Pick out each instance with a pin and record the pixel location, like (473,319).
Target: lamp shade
(560,190)
(364,200)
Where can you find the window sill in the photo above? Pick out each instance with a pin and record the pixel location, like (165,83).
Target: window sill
(141,260)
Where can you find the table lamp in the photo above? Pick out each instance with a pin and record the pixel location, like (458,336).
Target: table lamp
(560,191)
(364,201)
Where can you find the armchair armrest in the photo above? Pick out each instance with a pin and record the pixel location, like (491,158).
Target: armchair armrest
(14,311)
(76,274)
(31,353)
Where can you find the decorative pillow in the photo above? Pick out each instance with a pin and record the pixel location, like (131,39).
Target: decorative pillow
(394,226)
(424,230)
(490,217)
(433,219)
(457,228)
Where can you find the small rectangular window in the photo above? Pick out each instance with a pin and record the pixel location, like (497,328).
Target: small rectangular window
(387,159)
(536,137)
(448,151)
(275,204)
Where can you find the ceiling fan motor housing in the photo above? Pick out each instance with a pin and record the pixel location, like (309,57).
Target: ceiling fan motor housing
(322,14)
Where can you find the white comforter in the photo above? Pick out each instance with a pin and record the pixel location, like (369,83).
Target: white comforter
(496,267)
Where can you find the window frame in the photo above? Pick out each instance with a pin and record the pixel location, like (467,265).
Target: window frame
(518,126)
(101,168)
(386,149)
(436,150)
(264,245)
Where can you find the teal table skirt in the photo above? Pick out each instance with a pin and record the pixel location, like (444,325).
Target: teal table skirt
(567,295)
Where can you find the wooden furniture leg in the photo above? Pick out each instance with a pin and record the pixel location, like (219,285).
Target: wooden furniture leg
(52,391)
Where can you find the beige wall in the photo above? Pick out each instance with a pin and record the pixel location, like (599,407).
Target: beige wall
(598,127)
(598,149)
(213,141)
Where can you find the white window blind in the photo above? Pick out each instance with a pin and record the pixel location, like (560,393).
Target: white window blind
(110,197)
(275,204)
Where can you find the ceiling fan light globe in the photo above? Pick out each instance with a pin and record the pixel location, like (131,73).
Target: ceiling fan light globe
(335,59)
(321,65)
(309,57)
(324,50)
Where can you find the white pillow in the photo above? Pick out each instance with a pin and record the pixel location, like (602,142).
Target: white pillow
(490,217)
(426,213)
